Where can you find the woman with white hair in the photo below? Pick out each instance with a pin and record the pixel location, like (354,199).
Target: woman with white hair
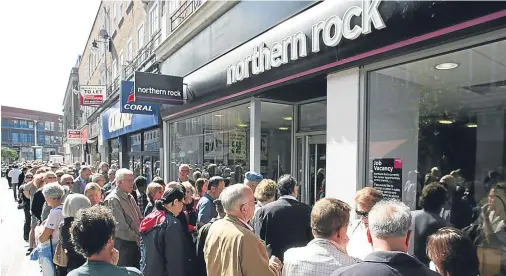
(73,203)
(49,232)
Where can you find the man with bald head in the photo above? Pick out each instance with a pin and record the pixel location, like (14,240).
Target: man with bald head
(231,247)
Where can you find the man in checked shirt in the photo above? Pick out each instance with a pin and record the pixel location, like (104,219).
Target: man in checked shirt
(327,251)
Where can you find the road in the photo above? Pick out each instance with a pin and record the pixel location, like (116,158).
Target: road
(13,259)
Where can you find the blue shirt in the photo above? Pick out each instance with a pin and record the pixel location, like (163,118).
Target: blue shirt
(92,268)
(83,183)
(206,209)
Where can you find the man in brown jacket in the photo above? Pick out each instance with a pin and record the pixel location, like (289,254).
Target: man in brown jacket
(231,247)
(128,218)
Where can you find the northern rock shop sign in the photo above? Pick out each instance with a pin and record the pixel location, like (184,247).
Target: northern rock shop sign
(295,46)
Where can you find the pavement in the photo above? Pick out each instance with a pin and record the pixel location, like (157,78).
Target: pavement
(13,249)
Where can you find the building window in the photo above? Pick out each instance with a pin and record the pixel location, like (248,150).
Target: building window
(15,137)
(30,124)
(130,50)
(219,137)
(15,123)
(114,69)
(140,36)
(41,140)
(23,138)
(47,126)
(60,127)
(153,17)
(121,61)
(48,140)
(52,126)
(114,14)
(30,138)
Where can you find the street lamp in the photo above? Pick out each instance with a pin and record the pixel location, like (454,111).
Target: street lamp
(103,38)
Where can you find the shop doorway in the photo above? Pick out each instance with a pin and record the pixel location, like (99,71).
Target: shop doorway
(311,166)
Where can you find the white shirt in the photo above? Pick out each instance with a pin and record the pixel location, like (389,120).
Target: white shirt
(288,197)
(53,222)
(358,246)
(14,175)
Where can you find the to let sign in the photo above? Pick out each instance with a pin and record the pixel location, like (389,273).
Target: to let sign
(74,136)
(156,88)
(92,95)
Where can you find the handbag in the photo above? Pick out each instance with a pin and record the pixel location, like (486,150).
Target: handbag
(60,256)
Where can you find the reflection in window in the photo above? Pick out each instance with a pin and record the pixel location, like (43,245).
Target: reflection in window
(215,144)
(152,140)
(443,119)
(275,147)
(114,147)
(313,116)
(135,142)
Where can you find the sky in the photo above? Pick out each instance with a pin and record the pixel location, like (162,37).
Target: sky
(41,40)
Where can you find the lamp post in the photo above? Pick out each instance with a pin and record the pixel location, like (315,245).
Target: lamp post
(103,38)
(35,146)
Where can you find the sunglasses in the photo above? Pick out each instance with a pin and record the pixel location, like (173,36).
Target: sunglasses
(28,177)
(362,214)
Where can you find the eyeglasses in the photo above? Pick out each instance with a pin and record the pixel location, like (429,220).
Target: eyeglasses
(362,214)
(68,183)
(28,177)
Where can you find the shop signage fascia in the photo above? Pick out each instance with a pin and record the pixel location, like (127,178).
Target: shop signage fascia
(129,104)
(157,88)
(92,95)
(115,123)
(330,31)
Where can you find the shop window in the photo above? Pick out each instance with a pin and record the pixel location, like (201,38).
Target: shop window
(276,135)
(151,140)
(444,117)
(215,144)
(313,116)
(134,142)
(114,149)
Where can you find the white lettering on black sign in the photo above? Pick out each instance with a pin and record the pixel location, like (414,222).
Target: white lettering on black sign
(293,47)
(387,177)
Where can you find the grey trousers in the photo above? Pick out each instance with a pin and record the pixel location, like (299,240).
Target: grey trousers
(129,253)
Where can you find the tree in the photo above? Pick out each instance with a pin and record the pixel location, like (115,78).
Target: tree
(9,154)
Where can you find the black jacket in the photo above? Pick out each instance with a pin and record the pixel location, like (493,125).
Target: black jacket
(200,261)
(387,263)
(283,224)
(164,248)
(38,201)
(425,224)
(75,260)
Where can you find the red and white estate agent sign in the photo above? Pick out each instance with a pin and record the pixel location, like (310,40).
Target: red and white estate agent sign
(92,95)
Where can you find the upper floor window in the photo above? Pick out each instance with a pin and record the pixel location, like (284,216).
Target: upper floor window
(130,50)
(47,126)
(153,17)
(15,123)
(140,36)
(15,137)
(114,69)
(52,126)
(30,138)
(30,124)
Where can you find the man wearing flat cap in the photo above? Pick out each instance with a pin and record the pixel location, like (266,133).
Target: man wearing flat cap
(251,179)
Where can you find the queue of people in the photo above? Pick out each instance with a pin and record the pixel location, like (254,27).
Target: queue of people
(77,224)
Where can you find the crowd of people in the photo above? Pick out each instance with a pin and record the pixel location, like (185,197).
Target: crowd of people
(81,220)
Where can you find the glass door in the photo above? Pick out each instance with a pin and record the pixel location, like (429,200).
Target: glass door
(311,156)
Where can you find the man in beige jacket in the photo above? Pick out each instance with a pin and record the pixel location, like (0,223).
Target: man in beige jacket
(128,218)
(231,247)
